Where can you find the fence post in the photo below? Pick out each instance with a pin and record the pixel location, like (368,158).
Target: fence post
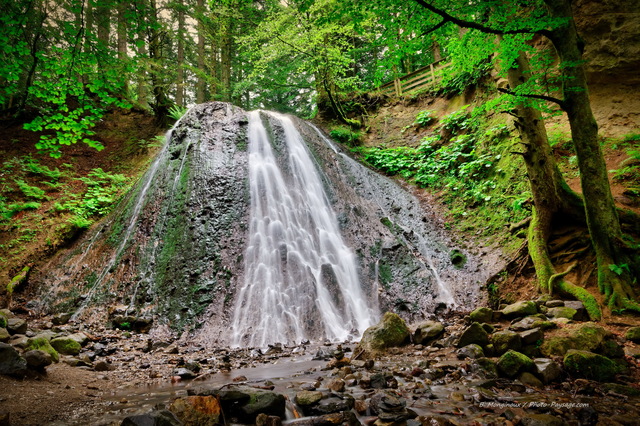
(433,76)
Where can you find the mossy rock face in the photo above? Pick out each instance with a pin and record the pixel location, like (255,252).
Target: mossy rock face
(473,334)
(588,336)
(633,334)
(66,346)
(390,331)
(513,363)
(505,340)
(42,344)
(481,315)
(520,309)
(591,366)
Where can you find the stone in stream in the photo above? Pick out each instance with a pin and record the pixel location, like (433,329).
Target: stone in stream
(547,369)
(541,420)
(473,334)
(154,418)
(389,332)
(4,335)
(482,315)
(244,403)
(427,331)
(505,340)
(197,410)
(11,363)
(389,408)
(16,326)
(472,351)
(590,366)
(512,363)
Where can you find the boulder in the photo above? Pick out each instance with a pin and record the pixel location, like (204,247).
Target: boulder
(16,326)
(41,343)
(389,408)
(245,403)
(79,337)
(154,418)
(562,312)
(587,336)
(66,345)
(197,410)
(513,363)
(532,419)
(547,369)
(520,309)
(473,334)
(472,351)
(3,319)
(505,340)
(61,319)
(38,359)
(589,365)
(390,331)
(485,368)
(581,311)
(332,404)
(530,322)
(427,331)
(4,335)
(531,337)
(633,334)
(530,380)
(11,363)
(307,398)
(554,303)
(481,315)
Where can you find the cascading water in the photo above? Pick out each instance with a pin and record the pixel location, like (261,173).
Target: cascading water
(301,280)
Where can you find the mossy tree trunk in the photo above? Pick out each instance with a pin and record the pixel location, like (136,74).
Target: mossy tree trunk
(552,197)
(615,267)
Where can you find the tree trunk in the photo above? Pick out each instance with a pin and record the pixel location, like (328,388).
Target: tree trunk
(180,37)
(161,102)
(200,85)
(103,21)
(602,217)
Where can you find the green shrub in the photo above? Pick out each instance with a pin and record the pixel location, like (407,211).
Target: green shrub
(425,117)
(346,135)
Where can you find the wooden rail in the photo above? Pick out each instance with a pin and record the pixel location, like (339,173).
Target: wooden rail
(426,77)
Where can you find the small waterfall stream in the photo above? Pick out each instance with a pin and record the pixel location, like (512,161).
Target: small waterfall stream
(301,280)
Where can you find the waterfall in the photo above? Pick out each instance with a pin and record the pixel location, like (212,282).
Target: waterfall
(301,280)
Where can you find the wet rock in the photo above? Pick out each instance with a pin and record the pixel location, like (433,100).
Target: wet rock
(245,402)
(197,410)
(61,319)
(485,368)
(547,369)
(541,420)
(520,309)
(591,366)
(427,331)
(621,389)
(154,418)
(345,418)
(588,336)
(530,380)
(4,335)
(378,381)
(513,363)
(610,349)
(184,373)
(332,404)
(66,345)
(531,322)
(389,408)
(103,366)
(562,312)
(336,385)
(472,351)
(307,398)
(482,315)
(390,331)
(554,303)
(530,337)
(79,337)
(473,334)
(505,340)
(41,343)
(16,326)
(11,363)
(267,420)
(37,359)
(633,334)
(581,311)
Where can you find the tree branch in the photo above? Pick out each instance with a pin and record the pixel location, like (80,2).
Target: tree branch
(435,27)
(540,97)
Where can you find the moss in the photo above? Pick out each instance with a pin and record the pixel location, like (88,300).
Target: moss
(513,363)
(590,366)
(391,331)
(42,344)
(458,259)
(66,346)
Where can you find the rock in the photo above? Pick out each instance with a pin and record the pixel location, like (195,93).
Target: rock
(79,337)
(61,319)
(332,404)
(610,349)
(485,368)
(41,343)
(245,403)
(553,303)
(197,410)
(46,334)
(547,369)
(336,385)
(633,334)
(482,315)
(4,335)
(19,341)
(38,359)
(581,311)
(16,326)
(427,331)
(3,319)
(11,363)
(184,373)
(66,345)
(378,381)
(591,366)
(472,351)
(103,366)
(154,418)
(307,398)
(346,418)
(267,420)
(513,363)
(533,336)
(587,336)
(504,340)
(562,312)
(531,322)
(389,408)
(520,309)
(473,334)
(530,380)
(390,331)
(541,420)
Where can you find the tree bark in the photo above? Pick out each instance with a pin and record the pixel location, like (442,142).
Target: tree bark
(180,71)
(200,84)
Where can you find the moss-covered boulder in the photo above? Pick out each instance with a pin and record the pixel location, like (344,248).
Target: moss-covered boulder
(66,345)
(427,331)
(562,312)
(633,334)
(520,309)
(4,335)
(531,322)
(481,315)
(504,340)
(485,368)
(588,336)
(3,320)
(591,366)
(513,363)
(472,351)
(42,344)
(475,333)
(390,331)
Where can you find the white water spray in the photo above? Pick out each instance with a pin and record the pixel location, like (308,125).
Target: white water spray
(301,280)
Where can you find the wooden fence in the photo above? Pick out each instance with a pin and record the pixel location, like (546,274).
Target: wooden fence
(423,78)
